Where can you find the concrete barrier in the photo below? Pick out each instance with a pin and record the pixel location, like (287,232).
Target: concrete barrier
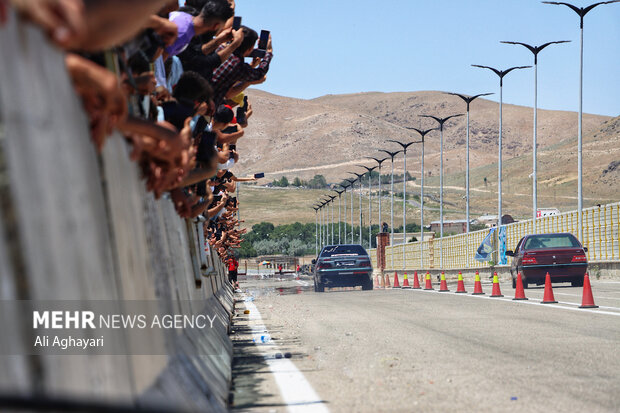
(76,225)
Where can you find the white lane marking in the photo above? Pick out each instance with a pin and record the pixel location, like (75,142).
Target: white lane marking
(302,283)
(509,300)
(577,295)
(295,390)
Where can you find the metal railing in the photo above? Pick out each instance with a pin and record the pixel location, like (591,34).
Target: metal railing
(601,230)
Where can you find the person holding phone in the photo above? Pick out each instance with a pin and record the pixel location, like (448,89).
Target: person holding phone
(235,71)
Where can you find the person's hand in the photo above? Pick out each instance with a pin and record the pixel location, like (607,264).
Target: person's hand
(225,35)
(4,4)
(101,93)
(269,45)
(259,81)
(62,20)
(237,37)
(167,30)
(181,202)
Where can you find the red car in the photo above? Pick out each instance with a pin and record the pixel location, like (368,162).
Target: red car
(560,255)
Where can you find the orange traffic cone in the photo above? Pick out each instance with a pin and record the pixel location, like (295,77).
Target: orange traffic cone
(378,281)
(429,284)
(587,301)
(386,281)
(519,292)
(548,298)
(396,283)
(477,285)
(460,286)
(406,282)
(443,285)
(497,292)
(416,282)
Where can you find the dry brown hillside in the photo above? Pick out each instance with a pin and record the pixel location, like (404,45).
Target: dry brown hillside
(331,134)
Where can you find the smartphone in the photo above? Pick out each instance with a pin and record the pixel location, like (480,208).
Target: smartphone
(237,23)
(259,176)
(230,130)
(258,53)
(264,39)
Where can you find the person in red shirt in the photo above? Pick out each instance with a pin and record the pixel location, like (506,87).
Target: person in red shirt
(233,265)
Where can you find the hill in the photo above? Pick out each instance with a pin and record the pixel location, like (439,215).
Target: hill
(330,135)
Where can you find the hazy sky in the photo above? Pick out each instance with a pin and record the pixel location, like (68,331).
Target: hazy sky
(348,46)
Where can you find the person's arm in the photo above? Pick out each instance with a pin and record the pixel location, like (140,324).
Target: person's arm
(251,179)
(196,176)
(237,39)
(241,86)
(216,209)
(229,138)
(167,30)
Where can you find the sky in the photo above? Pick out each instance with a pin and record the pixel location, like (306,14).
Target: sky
(349,46)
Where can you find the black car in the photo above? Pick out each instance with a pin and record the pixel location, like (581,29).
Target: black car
(342,266)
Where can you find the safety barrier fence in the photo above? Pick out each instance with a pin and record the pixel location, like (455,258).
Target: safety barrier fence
(601,232)
(76,225)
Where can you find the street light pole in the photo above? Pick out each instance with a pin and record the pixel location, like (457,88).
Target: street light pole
(316,230)
(359,178)
(339,213)
(405,146)
(369,203)
(423,134)
(346,186)
(581,11)
(380,162)
(501,74)
(535,50)
(392,156)
(468,100)
(352,182)
(441,122)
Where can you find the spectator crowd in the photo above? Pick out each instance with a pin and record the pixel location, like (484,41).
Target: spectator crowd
(172,81)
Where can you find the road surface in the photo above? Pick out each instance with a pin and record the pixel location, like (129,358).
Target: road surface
(411,350)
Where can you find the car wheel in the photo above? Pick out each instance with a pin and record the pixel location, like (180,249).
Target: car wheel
(367,285)
(525,285)
(577,282)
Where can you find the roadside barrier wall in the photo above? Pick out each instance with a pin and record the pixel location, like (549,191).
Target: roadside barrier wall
(601,228)
(76,225)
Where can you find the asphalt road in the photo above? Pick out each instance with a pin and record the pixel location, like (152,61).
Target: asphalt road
(408,350)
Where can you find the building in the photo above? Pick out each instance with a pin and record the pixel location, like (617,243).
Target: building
(458,226)
(547,212)
(398,237)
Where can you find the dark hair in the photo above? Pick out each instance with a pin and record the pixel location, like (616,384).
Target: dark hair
(139,63)
(192,87)
(216,10)
(223,114)
(248,41)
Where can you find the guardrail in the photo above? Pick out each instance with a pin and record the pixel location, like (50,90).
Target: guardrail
(76,226)
(601,229)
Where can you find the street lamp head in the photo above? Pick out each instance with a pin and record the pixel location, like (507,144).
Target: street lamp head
(468,99)
(368,168)
(379,161)
(536,49)
(392,154)
(359,176)
(502,73)
(581,11)
(441,121)
(404,145)
(421,132)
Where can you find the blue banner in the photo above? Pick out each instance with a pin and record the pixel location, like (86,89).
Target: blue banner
(485,250)
(502,245)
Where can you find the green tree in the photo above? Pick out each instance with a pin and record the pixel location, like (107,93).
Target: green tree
(297,182)
(284,182)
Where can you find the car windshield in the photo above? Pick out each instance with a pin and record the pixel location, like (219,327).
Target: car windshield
(552,241)
(343,250)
